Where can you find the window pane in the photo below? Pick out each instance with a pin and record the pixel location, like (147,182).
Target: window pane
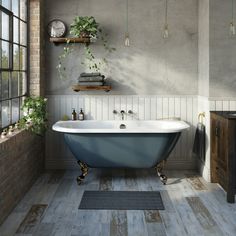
(16,57)
(5,85)
(16,30)
(23,58)
(5,26)
(22,83)
(4,54)
(23,10)
(15,110)
(23,33)
(15,7)
(6,4)
(14,84)
(5,113)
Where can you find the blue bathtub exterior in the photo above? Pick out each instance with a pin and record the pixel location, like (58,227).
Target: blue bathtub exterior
(121,150)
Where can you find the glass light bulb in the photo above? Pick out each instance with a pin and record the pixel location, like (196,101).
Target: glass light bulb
(166,32)
(232,29)
(127,40)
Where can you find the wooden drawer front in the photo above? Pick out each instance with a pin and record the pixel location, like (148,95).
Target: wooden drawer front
(222,144)
(218,172)
(220,175)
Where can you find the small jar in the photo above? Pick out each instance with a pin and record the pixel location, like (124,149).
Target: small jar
(16,127)
(11,130)
(4,134)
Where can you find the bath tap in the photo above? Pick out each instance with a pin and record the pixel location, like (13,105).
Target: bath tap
(130,112)
(122,112)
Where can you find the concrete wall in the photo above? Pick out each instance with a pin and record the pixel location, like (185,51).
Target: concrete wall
(150,65)
(203,47)
(222,50)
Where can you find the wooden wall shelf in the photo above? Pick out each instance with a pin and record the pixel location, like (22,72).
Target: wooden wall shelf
(78,88)
(72,40)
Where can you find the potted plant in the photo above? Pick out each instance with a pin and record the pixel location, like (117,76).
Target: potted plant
(35,115)
(85,26)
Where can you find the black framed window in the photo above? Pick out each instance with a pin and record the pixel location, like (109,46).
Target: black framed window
(13,59)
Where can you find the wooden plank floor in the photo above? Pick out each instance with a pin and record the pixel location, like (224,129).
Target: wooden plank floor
(192,207)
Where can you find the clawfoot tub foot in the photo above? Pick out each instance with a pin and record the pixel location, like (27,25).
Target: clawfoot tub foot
(159,169)
(84,168)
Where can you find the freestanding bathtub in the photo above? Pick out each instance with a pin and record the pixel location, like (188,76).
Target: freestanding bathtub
(121,144)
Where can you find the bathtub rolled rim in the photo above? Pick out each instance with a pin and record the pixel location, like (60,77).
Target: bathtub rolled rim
(60,126)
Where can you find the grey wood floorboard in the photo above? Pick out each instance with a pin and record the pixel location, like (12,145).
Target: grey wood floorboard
(130,180)
(195,181)
(156,229)
(136,223)
(105,183)
(224,220)
(31,220)
(192,206)
(203,216)
(9,227)
(118,223)
(45,229)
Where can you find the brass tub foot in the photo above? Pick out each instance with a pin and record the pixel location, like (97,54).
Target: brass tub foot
(84,169)
(159,167)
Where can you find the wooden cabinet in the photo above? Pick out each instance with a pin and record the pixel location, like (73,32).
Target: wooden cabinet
(223,152)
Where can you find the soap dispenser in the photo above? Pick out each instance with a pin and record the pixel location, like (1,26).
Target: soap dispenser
(73,114)
(81,114)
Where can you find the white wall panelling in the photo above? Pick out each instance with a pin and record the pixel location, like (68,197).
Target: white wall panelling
(223,104)
(101,108)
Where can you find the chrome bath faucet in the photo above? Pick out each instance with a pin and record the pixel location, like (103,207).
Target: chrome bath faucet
(122,112)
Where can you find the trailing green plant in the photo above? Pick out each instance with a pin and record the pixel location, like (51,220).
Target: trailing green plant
(35,115)
(91,62)
(85,26)
(60,66)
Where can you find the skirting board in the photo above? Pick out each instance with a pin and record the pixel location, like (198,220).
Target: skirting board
(72,164)
(204,171)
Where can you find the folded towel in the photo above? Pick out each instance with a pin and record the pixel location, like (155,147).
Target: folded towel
(199,146)
(90,74)
(91,79)
(91,83)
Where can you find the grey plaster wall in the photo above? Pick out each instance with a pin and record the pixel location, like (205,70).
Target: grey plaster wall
(222,50)
(203,47)
(150,65)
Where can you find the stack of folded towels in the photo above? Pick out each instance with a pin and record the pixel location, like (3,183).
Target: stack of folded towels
(91,79)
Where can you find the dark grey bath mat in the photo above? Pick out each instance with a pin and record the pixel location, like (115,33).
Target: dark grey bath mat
(121,200)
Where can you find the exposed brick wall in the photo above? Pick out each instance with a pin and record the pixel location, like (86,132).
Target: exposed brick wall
(36,46)
(21,162)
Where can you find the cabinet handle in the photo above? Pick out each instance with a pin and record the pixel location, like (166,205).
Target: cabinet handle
(217,131)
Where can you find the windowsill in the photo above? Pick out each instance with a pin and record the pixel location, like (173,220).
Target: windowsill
(9,137)
(19,137)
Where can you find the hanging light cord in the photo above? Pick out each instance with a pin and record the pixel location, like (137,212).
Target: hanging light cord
(127,17)
(166,13)
(232,11)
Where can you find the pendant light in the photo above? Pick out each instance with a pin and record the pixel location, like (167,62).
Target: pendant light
(127,24)
(166,28)
(232,31)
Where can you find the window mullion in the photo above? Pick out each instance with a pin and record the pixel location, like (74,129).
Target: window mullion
(12,103)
